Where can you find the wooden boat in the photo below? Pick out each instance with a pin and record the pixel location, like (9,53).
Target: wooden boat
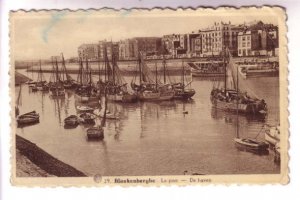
(84,109)
(98,132)
(85,91)
(56,87)
(251,144)
(272,135)
(28,118)
(95,133)
(41,83)
(87,118)
(149,87)
(209,68)
(226,98)
(71,120)
(181,90)
(259,69)
(117,90)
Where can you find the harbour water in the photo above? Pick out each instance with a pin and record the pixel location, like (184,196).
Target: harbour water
(156,138)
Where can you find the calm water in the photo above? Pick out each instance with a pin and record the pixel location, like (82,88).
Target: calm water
(155,138)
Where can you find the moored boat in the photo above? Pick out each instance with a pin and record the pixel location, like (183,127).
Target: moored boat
(28,118)
(272,135)
(226,98)
(251,144)
(87,118)
(71,120)
(95,133)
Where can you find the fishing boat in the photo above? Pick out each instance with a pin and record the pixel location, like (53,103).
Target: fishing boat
(87,118)
(95,133)
(71,121)
(225,98)
(117,90)
(85,91)
(68,81)
(272,135)
(41,83)
(259,69)
(181,89)
(250,143)
(149,87)
(28,118)
(56,87)
(206,68)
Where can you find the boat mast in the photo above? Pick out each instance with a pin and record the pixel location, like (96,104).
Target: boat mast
(237,105)
(105,63)
(155,75)
(56,70)
(225,70)
(164,64)
(99,74)
(140,67)
(113,63)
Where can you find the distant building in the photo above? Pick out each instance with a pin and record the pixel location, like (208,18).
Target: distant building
(88,51)
(171,43)
(258,40)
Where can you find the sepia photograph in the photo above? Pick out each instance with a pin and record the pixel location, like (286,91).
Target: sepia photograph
(139,97)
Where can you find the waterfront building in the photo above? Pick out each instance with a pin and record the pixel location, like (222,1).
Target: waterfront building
(258,40)
(171,43)
(88,51)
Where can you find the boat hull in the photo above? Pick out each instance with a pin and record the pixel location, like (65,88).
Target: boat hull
(186,94)
(156,96)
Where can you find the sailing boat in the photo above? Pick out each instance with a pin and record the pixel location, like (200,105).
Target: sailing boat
(149,88)
(57,88)
(247,143)
(116,85)
(226,98)
(41,83)
(83,92)
(181,90)
(67,80)
(97,133)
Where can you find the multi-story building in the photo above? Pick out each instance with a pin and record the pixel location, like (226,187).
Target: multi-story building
(258,40)
(147,45)
(171,43)
(88,51)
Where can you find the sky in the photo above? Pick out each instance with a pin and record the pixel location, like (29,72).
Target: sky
(40,35)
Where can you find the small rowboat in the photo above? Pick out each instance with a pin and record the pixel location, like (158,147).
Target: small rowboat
(87,118)
(84,108)
(72,120)
(252,144)
(28,118)
(95,133)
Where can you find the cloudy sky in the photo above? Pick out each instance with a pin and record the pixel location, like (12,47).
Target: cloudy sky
(44,34)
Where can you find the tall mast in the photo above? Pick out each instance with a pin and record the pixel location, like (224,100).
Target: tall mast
(237,104)
(156,75)
(140,67)
(113,62)
(41,73)
(99,74)
(56,69)
(225,70)
(105,63)
(164,64)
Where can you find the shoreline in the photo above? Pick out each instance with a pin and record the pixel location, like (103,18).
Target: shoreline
(33,161)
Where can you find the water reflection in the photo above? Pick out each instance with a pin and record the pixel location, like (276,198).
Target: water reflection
(151,138)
